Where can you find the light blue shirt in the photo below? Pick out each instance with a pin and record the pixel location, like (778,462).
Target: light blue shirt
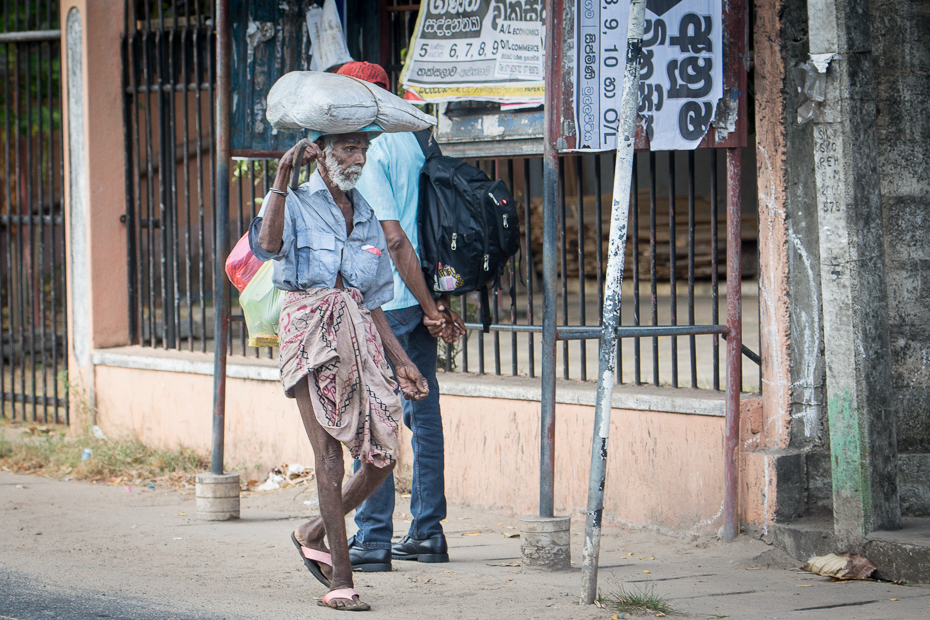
(315,247)
(390,182)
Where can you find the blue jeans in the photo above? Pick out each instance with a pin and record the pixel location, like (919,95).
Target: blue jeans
(428,494)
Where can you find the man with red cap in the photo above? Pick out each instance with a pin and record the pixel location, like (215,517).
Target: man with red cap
(390,182)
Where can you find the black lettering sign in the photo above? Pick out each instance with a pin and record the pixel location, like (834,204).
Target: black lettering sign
(694,34)
(694,119)
(696,77)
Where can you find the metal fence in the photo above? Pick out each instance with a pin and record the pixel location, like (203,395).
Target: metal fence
(32,246)
(674,253)
(168,112)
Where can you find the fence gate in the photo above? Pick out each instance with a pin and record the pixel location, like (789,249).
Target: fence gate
(32,246)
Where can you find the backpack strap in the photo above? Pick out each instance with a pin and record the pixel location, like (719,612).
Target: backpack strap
(427,143)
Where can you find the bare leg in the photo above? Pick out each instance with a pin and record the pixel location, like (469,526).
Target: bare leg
(334,503)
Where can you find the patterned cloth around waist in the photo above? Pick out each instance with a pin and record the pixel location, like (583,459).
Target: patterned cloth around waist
(327,336)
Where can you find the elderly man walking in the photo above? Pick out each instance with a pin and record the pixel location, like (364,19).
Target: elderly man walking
(331,258)
(390,181)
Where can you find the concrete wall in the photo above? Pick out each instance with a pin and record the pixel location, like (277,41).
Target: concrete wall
(492,441)
(901,58)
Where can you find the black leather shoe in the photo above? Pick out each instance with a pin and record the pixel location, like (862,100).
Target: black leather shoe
(432,549)
(369,560)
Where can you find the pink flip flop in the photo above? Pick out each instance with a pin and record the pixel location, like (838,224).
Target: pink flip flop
(312,560)
(346,593)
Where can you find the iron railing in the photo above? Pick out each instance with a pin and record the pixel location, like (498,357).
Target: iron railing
(670,323)
(33,331)
(168,113)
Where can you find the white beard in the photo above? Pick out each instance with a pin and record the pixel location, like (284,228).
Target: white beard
(343,179)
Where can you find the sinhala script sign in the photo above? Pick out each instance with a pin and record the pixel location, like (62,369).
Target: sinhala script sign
(489,50)
(681,78)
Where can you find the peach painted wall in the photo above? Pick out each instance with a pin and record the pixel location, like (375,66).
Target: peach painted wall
(665,469)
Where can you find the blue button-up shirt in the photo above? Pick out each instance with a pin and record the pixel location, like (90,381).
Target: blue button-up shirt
(315,247)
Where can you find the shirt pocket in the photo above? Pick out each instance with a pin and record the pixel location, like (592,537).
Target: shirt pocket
(364,268)
(318,259)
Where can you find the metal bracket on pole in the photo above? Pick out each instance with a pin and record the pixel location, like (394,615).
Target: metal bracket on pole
(607,355)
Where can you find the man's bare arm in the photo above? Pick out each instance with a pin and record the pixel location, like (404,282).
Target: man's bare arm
(412,384)
(272,230)
(407,264)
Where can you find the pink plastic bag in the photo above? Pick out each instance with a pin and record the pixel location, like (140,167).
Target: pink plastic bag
(242,264)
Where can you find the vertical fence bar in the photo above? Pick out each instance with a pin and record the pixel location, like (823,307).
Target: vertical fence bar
(672,280)
(39,237)
(52,94)
(200,41)
(130,181)
(734,347)
(583,344)
(150,176)
(692,344)
(61,248)
(563,276)
(20,270)
(187,80)
(513,289)
(7,286)
(28,223)
(715,269)
(637,347)
(530,268)
(221,217)
(653,277)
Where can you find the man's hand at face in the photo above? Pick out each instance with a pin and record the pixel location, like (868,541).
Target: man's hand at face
(311,153)
(412,384)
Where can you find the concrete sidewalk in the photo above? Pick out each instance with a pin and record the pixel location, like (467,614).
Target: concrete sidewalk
(147,545)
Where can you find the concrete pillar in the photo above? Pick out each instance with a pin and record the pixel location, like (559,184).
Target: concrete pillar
(784,444)
(95,190)
(862,426)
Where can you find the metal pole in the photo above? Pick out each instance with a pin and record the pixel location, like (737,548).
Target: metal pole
(607,354)
(221,222)
(734,347)
(550,241)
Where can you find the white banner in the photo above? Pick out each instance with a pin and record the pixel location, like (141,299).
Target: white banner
(681,78)
(477,50)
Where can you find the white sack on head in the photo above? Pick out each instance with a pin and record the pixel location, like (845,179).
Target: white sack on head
(396,113)
(332,103)
(324,102)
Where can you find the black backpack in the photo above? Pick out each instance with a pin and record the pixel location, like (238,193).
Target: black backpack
(469,227)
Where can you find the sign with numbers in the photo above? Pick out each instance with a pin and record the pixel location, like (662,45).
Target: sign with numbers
(681,77)
(490,50)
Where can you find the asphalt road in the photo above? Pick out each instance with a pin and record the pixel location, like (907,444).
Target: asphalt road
(23,599)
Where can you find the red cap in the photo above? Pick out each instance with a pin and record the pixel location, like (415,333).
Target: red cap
(369,72)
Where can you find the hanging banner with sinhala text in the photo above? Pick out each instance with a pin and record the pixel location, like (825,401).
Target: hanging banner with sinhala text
(681,77)
(484,50)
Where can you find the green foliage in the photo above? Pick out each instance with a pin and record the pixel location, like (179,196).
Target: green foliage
(50,451)
(639,600)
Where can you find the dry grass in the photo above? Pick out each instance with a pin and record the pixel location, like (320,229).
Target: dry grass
(51,451)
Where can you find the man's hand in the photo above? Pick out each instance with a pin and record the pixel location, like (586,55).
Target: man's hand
(311,153)
(454,325)
(435,325)
(412,384)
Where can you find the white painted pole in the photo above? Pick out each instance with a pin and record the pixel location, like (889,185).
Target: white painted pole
(620,214)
